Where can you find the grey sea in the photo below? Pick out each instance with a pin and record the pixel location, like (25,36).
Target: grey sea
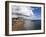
(32,24)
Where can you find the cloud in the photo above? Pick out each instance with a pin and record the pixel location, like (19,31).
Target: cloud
(25,11)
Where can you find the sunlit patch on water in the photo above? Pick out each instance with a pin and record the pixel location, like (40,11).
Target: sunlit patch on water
(29,25)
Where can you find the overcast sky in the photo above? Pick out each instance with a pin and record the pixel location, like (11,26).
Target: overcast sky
(34,13)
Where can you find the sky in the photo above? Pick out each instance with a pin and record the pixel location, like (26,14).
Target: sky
(34,13)
(37,12)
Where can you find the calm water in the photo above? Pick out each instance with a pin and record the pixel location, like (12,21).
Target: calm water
(32,24)
(37,24)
